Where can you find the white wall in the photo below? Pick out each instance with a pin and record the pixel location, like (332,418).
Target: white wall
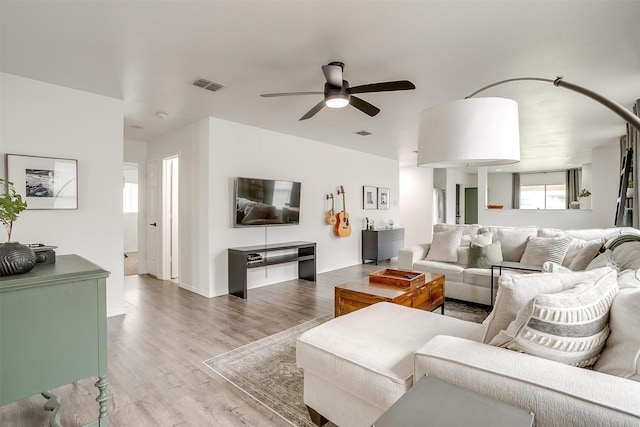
(604,186)
(239,150)
(464,180)
(500,189)
(416,204)
(40,119)
(191,144)
(213,152)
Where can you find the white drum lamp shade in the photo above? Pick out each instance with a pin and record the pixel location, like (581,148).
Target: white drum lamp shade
(469,132)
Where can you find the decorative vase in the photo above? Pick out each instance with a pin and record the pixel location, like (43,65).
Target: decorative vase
(574,205)
(16,258)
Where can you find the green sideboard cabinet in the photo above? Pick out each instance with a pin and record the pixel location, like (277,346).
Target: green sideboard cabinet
(53,331)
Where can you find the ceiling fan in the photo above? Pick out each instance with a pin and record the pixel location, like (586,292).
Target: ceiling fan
(338,94)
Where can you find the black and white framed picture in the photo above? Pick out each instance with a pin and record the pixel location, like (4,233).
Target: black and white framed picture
(383,198)
(44,182)
(368,197)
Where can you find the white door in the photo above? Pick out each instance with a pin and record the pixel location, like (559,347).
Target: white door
(172,192)
(154,210)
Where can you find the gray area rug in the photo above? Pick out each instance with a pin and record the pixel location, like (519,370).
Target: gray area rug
(266,369)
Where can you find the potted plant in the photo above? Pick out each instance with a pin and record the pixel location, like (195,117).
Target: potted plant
(630,190)
(14,257)
(584,193)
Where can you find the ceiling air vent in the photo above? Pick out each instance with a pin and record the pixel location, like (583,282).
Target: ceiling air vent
(363,133)
(209,85)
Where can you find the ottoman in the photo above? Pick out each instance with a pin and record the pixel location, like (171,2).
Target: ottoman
(357,365)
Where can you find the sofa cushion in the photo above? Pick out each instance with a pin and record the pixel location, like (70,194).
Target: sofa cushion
(515,291)
(627,255)
(444,246)
(569,327)
(367,354)
(513,240)
(580,253)
(621,354)
(467,229)
(452,272)
(605,259)
(484,256)
(629,279)
(482,276)
(541,249)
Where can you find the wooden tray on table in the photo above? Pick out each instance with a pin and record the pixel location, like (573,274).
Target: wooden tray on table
(401,278)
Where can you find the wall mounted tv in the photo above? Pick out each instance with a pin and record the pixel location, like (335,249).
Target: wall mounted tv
(266,202)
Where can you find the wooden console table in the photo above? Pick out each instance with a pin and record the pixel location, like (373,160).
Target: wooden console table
(53,331)
(305,256)
(381,244)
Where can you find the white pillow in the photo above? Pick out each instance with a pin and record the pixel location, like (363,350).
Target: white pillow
(605,259)
(621,354)
(627,255)
(483,238)
(541,249)
(515,291)
(569,327)
(580,253)
(444,246)
(629,279)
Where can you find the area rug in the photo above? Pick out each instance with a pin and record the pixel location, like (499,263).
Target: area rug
(266,369)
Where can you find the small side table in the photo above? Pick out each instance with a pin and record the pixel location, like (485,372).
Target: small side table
(438,403)
(513,266)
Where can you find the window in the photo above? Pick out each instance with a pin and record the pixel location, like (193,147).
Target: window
(544,196)
(543,191)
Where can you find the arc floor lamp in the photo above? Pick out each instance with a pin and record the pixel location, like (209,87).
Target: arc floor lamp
(485,131)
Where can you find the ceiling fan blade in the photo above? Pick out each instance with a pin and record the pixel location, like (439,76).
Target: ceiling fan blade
(333,74)
(364,106)
(269,95)
(383,87)
(313,111)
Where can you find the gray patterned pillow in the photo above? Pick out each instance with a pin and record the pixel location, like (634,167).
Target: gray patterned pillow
(569,327)
(542,249)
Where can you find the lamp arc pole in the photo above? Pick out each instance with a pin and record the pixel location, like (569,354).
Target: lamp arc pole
(626,114)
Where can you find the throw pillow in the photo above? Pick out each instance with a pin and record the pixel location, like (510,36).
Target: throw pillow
(580,253)
(569,327)
(483,239)
(605,259)
(513,240)
(541,249)
(627,255)
(444,246)
(629,279)
(484,256)
(515,291)
(621,353)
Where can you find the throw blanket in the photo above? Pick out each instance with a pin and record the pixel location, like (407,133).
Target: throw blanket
(624,238)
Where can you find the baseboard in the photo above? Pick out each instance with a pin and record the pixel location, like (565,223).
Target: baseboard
(116,313)
(194,290)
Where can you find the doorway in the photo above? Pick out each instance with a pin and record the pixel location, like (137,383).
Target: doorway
(170,215)
(130,182)
(471,205)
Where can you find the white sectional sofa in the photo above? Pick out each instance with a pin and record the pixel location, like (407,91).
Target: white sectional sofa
(357,365)
(466,283)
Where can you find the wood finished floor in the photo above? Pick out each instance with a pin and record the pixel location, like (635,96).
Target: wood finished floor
(156,351)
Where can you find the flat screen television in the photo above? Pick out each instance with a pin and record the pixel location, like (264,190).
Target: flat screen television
(266,202)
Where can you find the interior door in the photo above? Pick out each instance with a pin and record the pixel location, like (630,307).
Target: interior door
(470,205)
(154,210)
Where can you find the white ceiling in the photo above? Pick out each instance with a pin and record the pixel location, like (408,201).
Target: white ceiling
(149,53)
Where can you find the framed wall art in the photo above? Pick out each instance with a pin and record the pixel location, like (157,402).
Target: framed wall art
(383,198)
(368,197)
(44,182)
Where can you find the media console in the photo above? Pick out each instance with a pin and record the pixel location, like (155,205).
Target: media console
(239,262)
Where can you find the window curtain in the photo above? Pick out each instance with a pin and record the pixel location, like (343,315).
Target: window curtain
(573,185)
(630,140)
(515,191)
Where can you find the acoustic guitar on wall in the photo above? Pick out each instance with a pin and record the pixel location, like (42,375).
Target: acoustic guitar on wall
(343,227)
(331,215)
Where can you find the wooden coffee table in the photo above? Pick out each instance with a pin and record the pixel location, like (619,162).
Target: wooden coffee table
(353,296)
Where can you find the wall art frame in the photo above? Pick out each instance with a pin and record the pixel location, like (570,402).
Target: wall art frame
(369,197)
(44,182)
(383,198)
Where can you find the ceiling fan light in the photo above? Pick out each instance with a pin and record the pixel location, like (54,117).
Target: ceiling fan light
(473,131)
(337,101)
